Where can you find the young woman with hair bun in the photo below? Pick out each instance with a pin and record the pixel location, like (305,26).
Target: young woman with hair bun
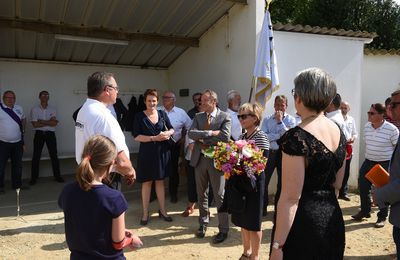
(94,213)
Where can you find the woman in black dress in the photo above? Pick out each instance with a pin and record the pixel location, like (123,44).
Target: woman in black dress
(250,218)
(309,222)
(150,129)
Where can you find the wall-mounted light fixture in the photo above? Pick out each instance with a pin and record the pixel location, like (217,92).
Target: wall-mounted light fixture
(90,40)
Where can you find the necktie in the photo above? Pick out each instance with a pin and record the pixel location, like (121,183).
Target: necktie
(208,122)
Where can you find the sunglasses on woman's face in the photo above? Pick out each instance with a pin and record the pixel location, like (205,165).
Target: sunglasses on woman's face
(244,116)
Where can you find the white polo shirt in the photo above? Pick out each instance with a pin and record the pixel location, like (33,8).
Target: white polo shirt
(179,119)
(236,128)
(380,142)
(337,117)
(94,118)
(38,112)
(9,129)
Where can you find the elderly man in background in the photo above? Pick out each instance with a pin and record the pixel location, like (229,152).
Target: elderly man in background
(275,126)
(390,193)
(350,125)
(44,122)
(12,122)
(234,101)
(94,118)
(380,140)
(208,128)
(181,123)
(334,113)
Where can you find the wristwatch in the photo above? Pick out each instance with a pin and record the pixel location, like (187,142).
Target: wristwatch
(276,245)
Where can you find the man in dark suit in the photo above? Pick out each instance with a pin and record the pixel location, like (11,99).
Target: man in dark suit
(208,128)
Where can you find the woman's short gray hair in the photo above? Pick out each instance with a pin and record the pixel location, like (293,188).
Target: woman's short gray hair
(315,88)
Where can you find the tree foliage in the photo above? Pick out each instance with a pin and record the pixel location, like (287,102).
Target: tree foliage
(380,16)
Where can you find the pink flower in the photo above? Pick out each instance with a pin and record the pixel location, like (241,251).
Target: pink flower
(226,168)
(241,143)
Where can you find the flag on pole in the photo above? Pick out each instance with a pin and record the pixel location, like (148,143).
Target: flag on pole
(265,74)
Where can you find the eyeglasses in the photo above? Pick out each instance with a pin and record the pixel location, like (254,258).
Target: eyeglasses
(116,88)
(9,97)
(244,116)
(371,113)
(166,97)
(393,105)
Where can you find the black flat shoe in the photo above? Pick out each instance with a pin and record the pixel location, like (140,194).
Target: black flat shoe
(143,222)
(220,237)
(166,218)
(201,232)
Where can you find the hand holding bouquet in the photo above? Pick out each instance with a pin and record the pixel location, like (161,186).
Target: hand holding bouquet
(238,158)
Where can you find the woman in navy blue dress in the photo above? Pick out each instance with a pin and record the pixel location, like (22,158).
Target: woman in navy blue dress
(152,129)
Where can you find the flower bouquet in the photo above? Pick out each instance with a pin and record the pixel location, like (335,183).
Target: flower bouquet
(240,158)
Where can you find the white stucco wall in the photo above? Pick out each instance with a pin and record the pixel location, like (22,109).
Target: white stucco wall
(380,78)
(225,58)
(342,57)
(27,79)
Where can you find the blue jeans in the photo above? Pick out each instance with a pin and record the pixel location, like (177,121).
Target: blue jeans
(396,239)
(13,151)
(365,188)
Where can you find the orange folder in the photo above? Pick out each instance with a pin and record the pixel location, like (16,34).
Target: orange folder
(378,176)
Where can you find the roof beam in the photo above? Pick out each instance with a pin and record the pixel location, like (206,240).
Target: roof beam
(243,2)
(95,32)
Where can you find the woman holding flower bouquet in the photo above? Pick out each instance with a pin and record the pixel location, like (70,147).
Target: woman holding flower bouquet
(309,222)
(249,219)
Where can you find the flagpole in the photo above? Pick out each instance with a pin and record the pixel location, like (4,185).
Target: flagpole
(253,85)
(254,79)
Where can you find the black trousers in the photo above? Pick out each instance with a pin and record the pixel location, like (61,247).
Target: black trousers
(42,137)
(274,161)
(345,187)
(191,184)
(174,174)
(12,151)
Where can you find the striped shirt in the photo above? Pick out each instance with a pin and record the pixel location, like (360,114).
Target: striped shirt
(260,138)
(380,142)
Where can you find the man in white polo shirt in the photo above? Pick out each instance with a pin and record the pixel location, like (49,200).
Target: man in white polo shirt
(44,122)
(181,123)
(380,140)
(94,118)
(12,122)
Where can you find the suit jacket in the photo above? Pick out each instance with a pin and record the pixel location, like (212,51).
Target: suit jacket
(390,193)
(222,122)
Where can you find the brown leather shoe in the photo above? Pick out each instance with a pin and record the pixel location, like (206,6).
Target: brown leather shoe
(360,215)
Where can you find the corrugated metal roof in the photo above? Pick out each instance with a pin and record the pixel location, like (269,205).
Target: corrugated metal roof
(381,52)
(157,32)
(322,30)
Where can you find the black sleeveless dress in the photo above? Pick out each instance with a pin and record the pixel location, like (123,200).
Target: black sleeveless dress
(318,228)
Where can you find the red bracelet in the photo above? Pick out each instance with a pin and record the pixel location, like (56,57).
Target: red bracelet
(124,243)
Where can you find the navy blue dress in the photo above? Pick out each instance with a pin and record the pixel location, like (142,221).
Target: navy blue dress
(154,158)
(251,217)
